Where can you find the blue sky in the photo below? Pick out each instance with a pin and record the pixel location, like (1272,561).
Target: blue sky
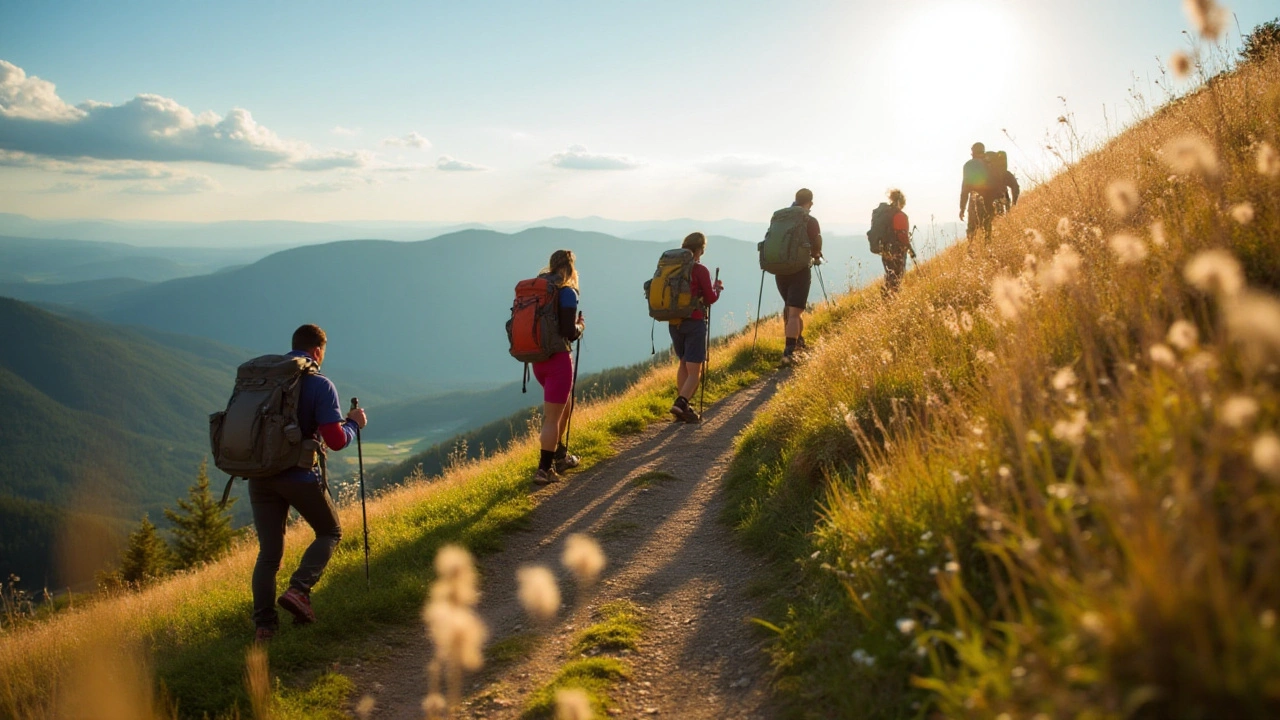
(487,111)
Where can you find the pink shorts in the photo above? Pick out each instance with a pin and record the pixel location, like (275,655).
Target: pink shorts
(556,376)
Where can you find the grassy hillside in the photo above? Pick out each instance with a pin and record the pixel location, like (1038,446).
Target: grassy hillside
(1044,481)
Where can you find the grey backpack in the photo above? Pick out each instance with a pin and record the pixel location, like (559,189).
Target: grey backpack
(258,435)
(786,247)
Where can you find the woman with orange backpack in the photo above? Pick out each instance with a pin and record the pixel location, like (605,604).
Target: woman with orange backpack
(555,374)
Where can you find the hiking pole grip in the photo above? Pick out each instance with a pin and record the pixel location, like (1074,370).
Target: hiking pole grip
(364,513)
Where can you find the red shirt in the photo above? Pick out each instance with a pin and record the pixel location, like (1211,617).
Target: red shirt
(703,288)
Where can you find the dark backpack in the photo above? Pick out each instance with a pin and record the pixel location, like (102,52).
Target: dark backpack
(997,162)
(881,233)
(786,249)
(670,292)
(258,435)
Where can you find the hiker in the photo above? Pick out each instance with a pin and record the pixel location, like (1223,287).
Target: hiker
(555,374)
(689,335)
(1008,184)
(303,489)
(794,287)
(976,193)
(897,244)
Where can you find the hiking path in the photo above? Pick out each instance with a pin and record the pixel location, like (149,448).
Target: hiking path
(668,551)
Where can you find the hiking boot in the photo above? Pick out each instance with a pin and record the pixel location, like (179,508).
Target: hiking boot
(691,417)
(787,360)
(546,477)
(679,409)
(263,635)
(299,605)
(565,462)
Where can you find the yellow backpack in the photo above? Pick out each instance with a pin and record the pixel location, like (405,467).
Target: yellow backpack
(670,292)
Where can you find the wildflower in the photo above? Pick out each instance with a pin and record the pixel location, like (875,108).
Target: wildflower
(455,577)
(1239,411)
(1128,249)
(862,657)
(583,557)
(365,707)
(1061,491)
(1253,320)
(1062,270)
(1092,623)
(435,706)
(966,322)
(1268,160)
(457,632)
(1266,455)
(987,357)
(1072,431)
(952,566)
(1242,213)
(1064,379)
(1157,234)
(1033,236)
(1189,154)
(1009,295)
(1034,437)
(886,356)
(1161,355)
(906,626)
(1064,227)
(1215,271)
(1123,197)
(573,704)
(926,536)
(538,592)
(1206,16)
(1180,64)
(1183,335)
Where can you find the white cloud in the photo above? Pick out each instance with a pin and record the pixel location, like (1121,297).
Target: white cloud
(345,132)
(62,188)
(412,140)
(739,167)
(450,164)
(578,158)
(186,185)
(346,182)
(35,121)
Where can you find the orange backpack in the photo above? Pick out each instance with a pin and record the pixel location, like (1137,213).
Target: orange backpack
(534,328)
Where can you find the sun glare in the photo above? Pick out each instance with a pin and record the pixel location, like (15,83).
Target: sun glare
(949,52)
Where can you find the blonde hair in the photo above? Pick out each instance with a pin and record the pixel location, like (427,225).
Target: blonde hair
(694,241)
(897,198)
(562,263)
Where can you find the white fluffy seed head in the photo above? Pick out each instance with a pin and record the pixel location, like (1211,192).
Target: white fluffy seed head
(1123,197)
(573,704)
(1253,321)
(435,706)
(456,579)
(1062,269)
(1009,296)
(1161,355)
(1072,430)
(1183,335)
(1207,17)
(457,632)
(1215,271)
(1191,154)
(1242,213)
(539,594)
(1033,236)
(365,707)
(583,557)
(1157,234)
(1266,455)
(1239,412)
(1064,227)
(1064,379)
(1128,249)
(1268,160)
(1180,63)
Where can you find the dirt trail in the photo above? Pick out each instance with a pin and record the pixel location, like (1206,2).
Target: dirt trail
(667,551)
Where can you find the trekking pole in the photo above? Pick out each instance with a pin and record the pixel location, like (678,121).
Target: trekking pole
(912,248)
(822,284)
(364,514)
(573,392)
(759,299)
(706,361)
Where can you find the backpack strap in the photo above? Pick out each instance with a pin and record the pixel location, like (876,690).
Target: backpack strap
(226,493)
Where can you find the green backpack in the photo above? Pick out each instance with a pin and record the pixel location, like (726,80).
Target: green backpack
(785,249)
(670,292)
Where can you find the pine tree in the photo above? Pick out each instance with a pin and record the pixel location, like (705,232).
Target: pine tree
(147,557)
(201,529)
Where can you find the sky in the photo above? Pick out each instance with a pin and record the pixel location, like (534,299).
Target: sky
(487,111)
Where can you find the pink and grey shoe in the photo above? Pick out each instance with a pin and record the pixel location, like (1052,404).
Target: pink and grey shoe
(299,605)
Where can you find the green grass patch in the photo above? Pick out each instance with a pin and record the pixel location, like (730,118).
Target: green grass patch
(592,675)
(620,626)
(511,649)
(323,700)
(653,477)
